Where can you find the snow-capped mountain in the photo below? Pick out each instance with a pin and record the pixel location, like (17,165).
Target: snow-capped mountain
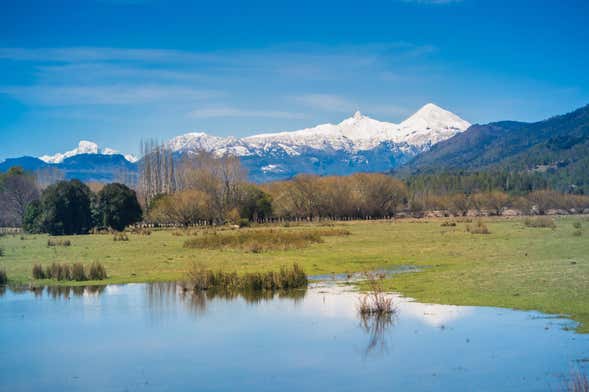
(429,125)
(358,143)
(84,147)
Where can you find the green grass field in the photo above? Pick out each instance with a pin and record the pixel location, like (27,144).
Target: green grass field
(514,266)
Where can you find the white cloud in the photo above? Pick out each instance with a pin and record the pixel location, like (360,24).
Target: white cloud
(227,111)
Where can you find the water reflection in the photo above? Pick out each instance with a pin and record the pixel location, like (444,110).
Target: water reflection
(376,327)
(162,297)
(309,340)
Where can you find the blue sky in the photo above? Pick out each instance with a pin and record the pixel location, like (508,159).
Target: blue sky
(116,71)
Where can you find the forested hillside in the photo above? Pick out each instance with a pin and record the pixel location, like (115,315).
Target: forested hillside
(556,148)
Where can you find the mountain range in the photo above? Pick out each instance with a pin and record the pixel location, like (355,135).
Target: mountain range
(357,144)
(430,141)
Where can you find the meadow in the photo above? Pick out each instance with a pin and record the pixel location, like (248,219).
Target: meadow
(515,265)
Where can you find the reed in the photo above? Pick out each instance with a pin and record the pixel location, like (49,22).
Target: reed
(96,271)
(76,271)
(286,278)
(3,277)
(376,301)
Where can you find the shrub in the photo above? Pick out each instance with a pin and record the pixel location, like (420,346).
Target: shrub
(3,276)
(540,221)
(38,272)
(78,273)
(1,251)
(97,271)
(478,228)
(577,233)
(577,225)
(448,224)
(120,237)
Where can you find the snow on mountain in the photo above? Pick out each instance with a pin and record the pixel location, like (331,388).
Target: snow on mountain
(84,147)
(429,125)
(357,144)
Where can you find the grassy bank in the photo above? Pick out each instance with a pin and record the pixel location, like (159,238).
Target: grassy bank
(515,265)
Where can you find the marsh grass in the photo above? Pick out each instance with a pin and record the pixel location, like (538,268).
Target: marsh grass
(54,242)
(376,301)
(540,221)
(38,272)
(1,251)
(65,272)
(577,233)
(3,277)
(77,272)
(286,278)
(257,241)
(97,271)
(478,228)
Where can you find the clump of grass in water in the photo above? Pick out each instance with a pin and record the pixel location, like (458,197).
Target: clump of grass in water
(53,242)
(376,301)
(257,241)
(38,272)
(540,221)
(76,272)
(285,279)
(3,277)
(478,228)
(97,271)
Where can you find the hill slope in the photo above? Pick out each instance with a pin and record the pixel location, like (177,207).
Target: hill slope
(558,146)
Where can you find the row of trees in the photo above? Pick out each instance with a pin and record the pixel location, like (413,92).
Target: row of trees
(206,188)
(70,207)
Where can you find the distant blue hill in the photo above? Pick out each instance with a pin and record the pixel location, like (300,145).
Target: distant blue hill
(84,167)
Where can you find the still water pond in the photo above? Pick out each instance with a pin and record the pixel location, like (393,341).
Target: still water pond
(153,337)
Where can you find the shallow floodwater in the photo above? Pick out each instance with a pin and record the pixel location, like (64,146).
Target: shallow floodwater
(154,337)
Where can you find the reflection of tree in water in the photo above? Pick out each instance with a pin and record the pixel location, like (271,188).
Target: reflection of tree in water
(2,290)
(162,295)
(376,326)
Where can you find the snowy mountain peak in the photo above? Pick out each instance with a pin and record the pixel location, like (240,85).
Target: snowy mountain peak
(429,125)
(84,147)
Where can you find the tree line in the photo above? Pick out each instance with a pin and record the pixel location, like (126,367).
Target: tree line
(209,189)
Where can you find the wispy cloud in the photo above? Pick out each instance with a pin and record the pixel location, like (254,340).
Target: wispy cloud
(103,95)
(228,111)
